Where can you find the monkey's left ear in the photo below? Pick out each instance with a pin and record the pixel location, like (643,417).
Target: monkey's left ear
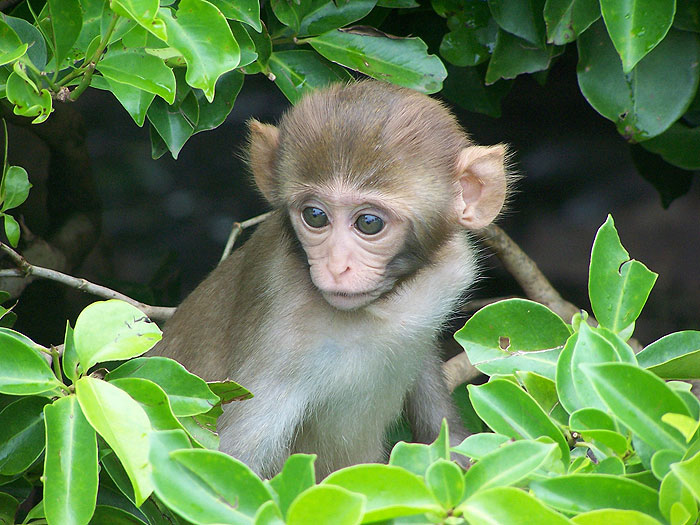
(481,172)
(262,143)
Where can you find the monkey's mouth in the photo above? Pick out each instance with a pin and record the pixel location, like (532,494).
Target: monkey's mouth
(349,301)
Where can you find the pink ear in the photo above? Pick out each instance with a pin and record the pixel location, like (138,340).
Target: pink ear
(482,181)
(263,143)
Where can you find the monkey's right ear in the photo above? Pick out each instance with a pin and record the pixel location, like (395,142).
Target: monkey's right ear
(262,146)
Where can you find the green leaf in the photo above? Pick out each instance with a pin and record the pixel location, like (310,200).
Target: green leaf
(326,505)
(446,481)
(477,446)
(618,287)
(507,505)
(688,472)
(202,429)
(269,514)
(687,426)
(152,399)
(8,508)
(15,187)
(21,434)
(509,410)
(245,43)
(312,17)
(212,115)
(610,465)
(11,46)
(390,491)
(596,425)
(465,87)
(574,389)
(674,492)
(511,335)
(299,72)
(137,68)
(468,46)
(661,462)
(12,229)
(70,360)
(542,389)
(674,356)
(193,31)
(514,56)
(66,20)
(134,100)
(247,11)
(523,19)
(26,97)
(70,470)
(678,145)
(567,19)
(616,516)
(144,12)
(637,26)
(402,61)
(296,476)
(114,516)
(112,330)
(31,36)
(188,394)
(642,412)
(22,370)
(172,125)
(584,492)
(507,465)
(653,96)
(228,391)
(104,406)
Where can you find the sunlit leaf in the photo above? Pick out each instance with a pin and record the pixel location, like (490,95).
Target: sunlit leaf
(247,11)
(296,476)
(22,370)
(299,72)
(507,505)
(674,356)
(326,505)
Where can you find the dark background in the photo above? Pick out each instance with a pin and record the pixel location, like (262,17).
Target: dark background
(165,222)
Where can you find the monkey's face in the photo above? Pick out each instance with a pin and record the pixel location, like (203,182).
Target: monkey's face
(349,239)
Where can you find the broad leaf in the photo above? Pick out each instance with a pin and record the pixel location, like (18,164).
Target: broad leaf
(617,516)
(152,399)
(70,361)
(446,481)
(299,72)
(402,61)
(678,145)
(522,19)
(172,125)
(247,11)
(22,370)
(597,425)
(313,17)
(31,36)
(688,472)
(511,335)
(507,505)
(326,505)
(15,187)
(477,446)
(637,26)
(112,330)
(514,56)
(212,114)
(21,434)
(618,287)
(70,469)
(675,356)
(104,406)
(11,46)
(28,100)
(66,20)
(674,493)
(144,12)
(567,19)
(297,475)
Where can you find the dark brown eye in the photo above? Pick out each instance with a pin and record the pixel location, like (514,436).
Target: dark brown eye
(369,224)
(314,217)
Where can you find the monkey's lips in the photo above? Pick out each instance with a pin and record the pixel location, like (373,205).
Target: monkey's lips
(349,301)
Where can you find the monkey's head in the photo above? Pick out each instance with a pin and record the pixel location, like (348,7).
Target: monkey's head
(375,179)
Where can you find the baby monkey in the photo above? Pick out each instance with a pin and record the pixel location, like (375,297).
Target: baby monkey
(330,312)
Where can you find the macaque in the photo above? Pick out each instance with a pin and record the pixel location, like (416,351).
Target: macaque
(331,311)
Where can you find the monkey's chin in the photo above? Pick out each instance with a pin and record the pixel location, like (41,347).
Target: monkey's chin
(349,301)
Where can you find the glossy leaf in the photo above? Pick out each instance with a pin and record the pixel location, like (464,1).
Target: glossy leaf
(477,446)
(70,360)
(686,425)
(642,412)
(616,516)
(313,17)
(11,47)
(15,187)
(112,330)
(688,472)
(144,12)
(446,481)
(585,492)
(511,335)
(196,26)
(637,26)
(507,465)
(675,356)
(28,100)
(137,68)
(403,61)
(523,19)
(201,485)
(514,56)
(296,476)
(269,514)
(12,230)
(22,370)
(390,491)
(8,508)
(507,505)
(597,425)
(104,406)
(30,35)
(299,72)
(21,434)
(673,493)
(326,505)
(567,19)
(152,399)
(653,96)
(134,100)
(467,46)
(417,457)
(188,394)
(542,389)
(66,20)
(247,11)
(510,411)
(678,145)
(202,429)
(172,125)
(618,287)
(228,391)
(70,469)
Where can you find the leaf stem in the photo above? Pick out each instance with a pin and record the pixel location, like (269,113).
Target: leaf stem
(56,363)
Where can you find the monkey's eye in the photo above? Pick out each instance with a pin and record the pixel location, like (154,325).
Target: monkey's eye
(369,224)
(314,217)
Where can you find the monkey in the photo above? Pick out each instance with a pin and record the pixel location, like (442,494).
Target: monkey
(330,312)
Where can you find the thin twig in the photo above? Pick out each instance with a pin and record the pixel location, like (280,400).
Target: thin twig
(27,269)
(236,230)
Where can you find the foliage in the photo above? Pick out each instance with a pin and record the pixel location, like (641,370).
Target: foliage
(584,430)
(180,65)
